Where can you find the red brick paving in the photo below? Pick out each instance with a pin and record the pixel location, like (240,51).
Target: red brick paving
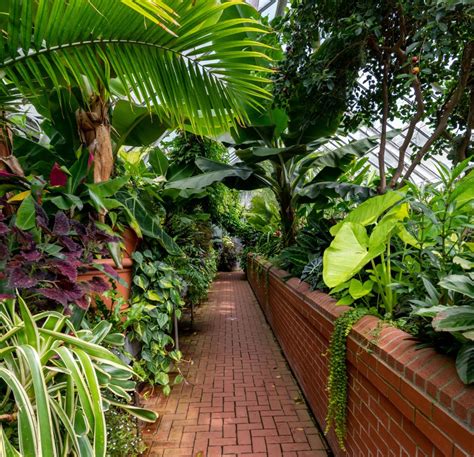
(240,398)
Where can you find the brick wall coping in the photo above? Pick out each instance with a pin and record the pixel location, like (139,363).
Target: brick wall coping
(423,382)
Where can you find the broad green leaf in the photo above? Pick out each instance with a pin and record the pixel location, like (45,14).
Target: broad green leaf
(158,162)
(347,300)
(259,154)
(430,311)
(407,237)
(154,296)
(141,281)
(347,254)
(381,233)
(205,179)
(455,319)
(369,211)
(45,425)
(150,224)
(143,414)
(464,190)
(78,171)
(135,125)
(465,363)
(26,214)
(109,188)
(357,289)
(27,426)
(463,284)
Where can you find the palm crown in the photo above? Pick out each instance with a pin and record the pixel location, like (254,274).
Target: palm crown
(193,61)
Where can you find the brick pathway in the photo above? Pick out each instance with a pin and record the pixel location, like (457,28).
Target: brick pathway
(240,398)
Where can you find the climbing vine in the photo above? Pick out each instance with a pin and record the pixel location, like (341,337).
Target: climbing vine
(337,380)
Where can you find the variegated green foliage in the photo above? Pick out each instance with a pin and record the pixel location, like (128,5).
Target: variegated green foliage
(192,61)
(56,383)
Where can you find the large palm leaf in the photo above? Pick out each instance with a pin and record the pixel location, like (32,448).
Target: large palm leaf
(187,57)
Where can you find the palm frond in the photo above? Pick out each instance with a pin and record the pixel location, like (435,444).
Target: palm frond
(201,72)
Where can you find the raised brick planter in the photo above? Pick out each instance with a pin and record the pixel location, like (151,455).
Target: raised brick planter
(403,401)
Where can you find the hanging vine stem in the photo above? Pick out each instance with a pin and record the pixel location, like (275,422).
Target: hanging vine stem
(337,381)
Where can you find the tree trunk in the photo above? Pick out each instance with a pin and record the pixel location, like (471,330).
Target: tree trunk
(8,162)
(94,132)
(287,213)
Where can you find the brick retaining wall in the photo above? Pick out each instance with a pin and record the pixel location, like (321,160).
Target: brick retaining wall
(403,401)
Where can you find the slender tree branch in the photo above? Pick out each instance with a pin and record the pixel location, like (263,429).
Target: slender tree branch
(383,137)
(464,147)
(465,71)
(420,109)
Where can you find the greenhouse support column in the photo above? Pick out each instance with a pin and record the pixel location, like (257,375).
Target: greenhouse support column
(280,11)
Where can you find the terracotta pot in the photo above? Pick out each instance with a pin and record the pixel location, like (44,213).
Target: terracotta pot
(131,241)
(125,273)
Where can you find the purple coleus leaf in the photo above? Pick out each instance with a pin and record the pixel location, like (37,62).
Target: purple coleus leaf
(61,224)
(31,256)
(4,252)
(54,294)
(83,302)
(20,279)
(6,296)
(71,245)
(4,229)
(98,285)
(64,292)
(79,228)
(57,177)
(67,269)
(42,219)
(110,270)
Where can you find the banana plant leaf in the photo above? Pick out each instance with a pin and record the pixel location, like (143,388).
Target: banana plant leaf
(135,126)
(260,154)
(213,172)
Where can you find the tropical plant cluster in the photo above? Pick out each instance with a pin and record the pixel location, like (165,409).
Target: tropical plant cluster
(87,92)
(165,134)
(379,241)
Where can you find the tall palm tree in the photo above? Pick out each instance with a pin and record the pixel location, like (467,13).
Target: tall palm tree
(193,61)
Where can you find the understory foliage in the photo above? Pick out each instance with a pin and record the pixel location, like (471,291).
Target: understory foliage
(87,88)
(57,382)
(197,267)
(123,438)
(44,263)
(156,299)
